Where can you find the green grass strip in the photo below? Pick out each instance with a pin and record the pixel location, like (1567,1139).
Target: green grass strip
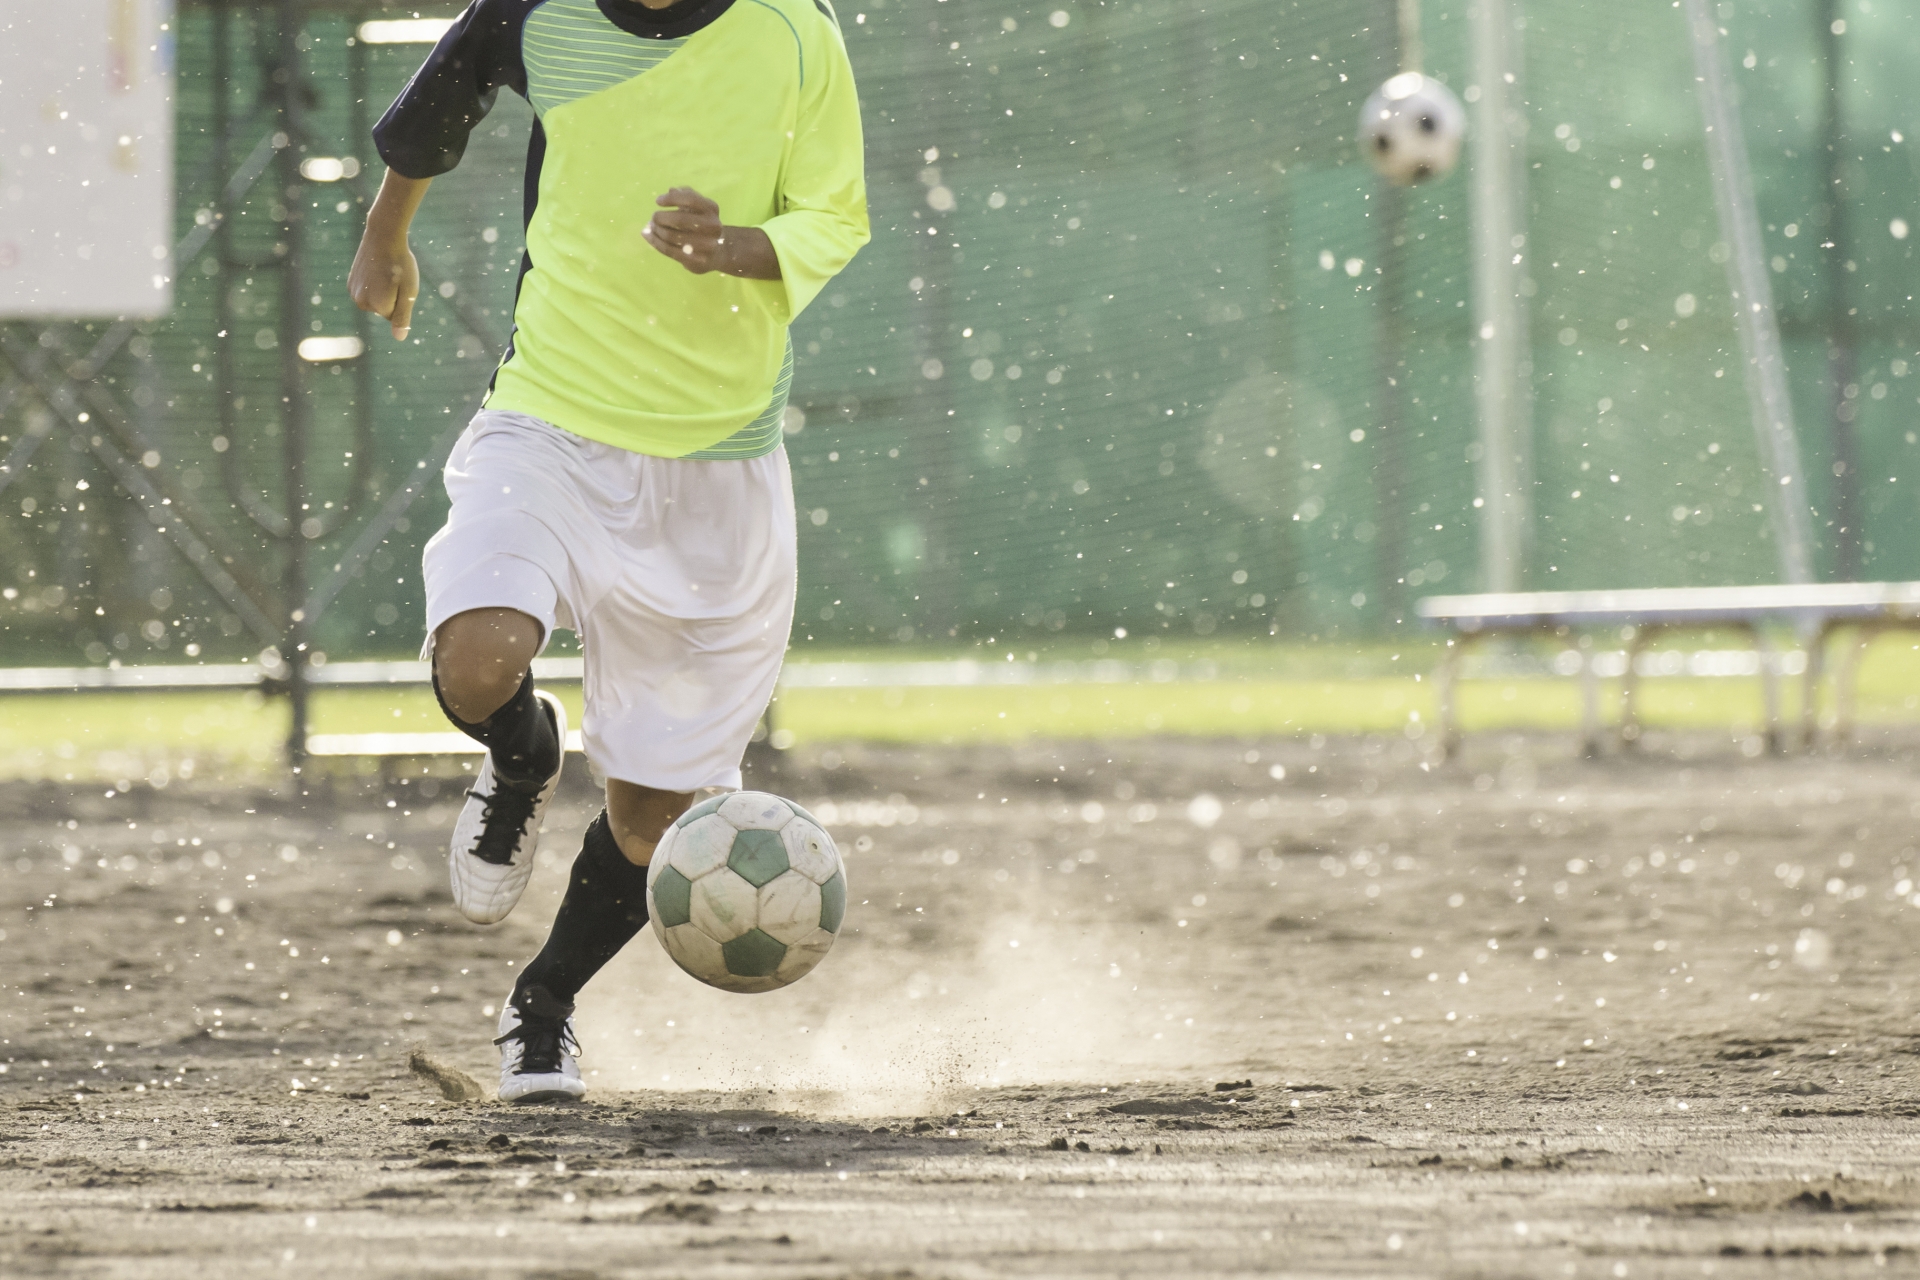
(116,736)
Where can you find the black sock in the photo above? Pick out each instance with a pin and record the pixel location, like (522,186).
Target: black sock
(519,736)
(606,904)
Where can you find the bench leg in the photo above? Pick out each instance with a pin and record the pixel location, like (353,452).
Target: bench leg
(1846,684)
(1445,678)
(1810,686)
(1630,688)
(1590,744)
(1769,691)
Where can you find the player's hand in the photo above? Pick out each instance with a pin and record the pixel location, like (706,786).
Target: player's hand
(385,280)
(688,230)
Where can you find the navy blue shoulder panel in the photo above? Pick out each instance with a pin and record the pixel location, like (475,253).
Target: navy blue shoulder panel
(424,133)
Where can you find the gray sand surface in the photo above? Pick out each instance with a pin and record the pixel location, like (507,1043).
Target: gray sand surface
(1515,1015)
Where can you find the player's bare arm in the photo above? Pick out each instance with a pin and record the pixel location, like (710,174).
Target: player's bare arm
(688,230)
(385,279)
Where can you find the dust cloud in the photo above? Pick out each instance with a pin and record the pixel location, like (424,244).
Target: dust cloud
(985,1001)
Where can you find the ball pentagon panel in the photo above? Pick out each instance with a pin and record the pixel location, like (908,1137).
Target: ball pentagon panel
(672,897)
(758,856)
(833,902)
(754,954)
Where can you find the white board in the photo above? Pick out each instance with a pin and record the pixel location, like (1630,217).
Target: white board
(86,158)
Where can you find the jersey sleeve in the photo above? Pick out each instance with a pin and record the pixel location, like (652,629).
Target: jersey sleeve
(822,221)
(424,133)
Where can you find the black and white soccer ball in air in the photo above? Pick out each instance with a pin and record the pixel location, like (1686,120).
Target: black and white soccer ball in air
(747,891)
(1411,129)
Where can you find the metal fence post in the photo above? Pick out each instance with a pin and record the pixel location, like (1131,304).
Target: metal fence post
(1772,406)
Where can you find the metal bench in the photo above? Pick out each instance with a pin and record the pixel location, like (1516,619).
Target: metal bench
(1817,612)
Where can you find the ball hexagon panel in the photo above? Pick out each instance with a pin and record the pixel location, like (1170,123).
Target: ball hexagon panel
(700,846)
(833,902)
(672,895)
(723,906)
(808,816)
(710,805)
(755,811)
(757,856)
(810,850)
(694,951)
(790,907)
(803,955)
(754,954)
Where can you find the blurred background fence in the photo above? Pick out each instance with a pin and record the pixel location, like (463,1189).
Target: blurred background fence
(1139,342)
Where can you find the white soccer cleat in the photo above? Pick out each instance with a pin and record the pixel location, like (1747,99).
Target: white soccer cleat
(498,833)
(537,1050)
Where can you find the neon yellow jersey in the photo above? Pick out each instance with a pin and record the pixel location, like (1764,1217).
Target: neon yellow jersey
(749,102)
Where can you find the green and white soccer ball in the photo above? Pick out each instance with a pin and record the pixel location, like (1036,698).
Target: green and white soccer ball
(747,891)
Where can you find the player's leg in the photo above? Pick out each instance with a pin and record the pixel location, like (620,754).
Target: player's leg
(482,674)
(500,577)
(604,907)
(606,900)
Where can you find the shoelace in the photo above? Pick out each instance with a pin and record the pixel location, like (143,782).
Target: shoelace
(503,823)
(542,1040)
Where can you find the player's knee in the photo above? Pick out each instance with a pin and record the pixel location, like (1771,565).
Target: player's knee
(637,849)
(473,694)
(480,658)
(640,815)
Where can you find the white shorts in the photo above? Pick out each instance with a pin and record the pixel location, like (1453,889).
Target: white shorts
(677,575)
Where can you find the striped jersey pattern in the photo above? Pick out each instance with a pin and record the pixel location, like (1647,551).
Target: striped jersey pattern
(571,51)
(764,434)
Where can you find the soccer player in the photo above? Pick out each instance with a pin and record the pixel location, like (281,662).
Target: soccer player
(693,180)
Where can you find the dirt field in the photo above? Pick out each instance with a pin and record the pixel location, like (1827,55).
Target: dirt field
(1098,1011)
